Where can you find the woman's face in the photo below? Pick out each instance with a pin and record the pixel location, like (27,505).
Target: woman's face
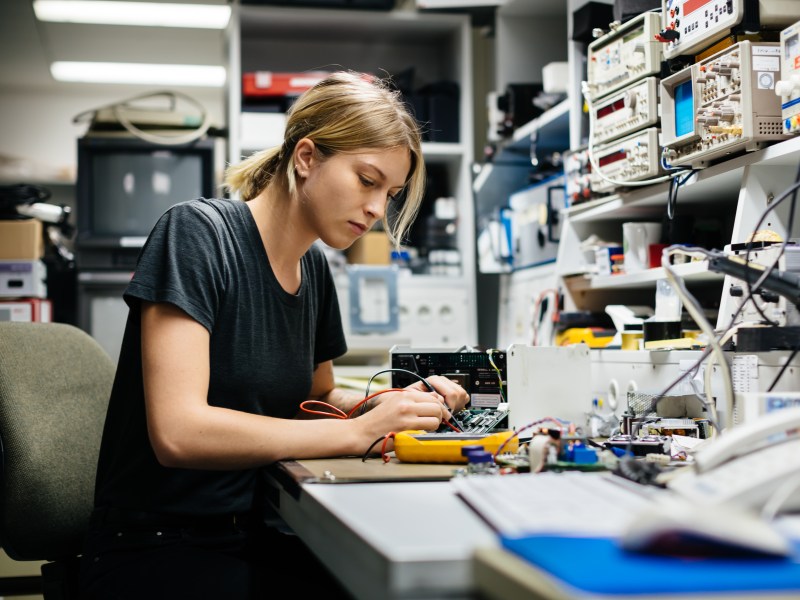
(344,195)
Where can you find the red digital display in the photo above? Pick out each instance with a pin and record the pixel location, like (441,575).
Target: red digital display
(612,158)
(692,5)
(611,108)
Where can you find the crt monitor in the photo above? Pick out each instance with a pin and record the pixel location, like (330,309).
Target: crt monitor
(678,108)
(125,184)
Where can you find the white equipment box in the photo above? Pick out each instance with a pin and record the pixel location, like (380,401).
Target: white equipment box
(788,88)
(548,381)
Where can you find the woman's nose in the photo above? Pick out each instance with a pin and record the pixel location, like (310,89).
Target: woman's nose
(376,206)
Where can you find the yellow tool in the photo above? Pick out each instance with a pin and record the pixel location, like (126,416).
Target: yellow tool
(427,447)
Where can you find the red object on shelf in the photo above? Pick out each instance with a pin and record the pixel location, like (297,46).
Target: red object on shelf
(273,84)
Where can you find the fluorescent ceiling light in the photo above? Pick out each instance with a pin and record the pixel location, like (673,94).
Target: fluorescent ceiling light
(151,14)
(139,73)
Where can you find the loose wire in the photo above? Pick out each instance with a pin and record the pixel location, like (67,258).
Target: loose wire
(384,439)
(560,425)
(696,311)
(337,412)
(783,370)
(118,109)
(489,352)
(751,289)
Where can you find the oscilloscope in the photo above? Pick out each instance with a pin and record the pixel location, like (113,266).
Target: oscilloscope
(721,105)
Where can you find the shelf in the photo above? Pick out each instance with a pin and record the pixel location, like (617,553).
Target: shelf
(262,130)
(693,272)
(721,181)
(551,129)
(553,122)
(416,50)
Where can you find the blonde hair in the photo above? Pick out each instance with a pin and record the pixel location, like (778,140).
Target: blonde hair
(345,112)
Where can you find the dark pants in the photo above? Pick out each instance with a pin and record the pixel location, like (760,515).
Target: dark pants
(230,559)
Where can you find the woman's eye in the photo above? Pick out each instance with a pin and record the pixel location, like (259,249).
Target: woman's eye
(366,182)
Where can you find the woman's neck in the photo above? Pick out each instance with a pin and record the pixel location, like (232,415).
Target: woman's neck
(284,238)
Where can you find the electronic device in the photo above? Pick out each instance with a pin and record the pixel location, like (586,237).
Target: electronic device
(747,465)
(124,185)
(639,445)
(749,406)
(625,111)
(481,374)
(624,55)
(23,279)
(724,104)
(577,176)
(548,382)
(536,212)
(690,26)
(788,88)
(426,447)
(633,158)
(777,296)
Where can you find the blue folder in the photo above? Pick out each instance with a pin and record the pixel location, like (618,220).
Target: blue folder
(602,566)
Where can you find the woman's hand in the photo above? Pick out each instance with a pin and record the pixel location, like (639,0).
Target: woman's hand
(455,397)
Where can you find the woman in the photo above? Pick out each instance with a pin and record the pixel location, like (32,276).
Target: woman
(233,322)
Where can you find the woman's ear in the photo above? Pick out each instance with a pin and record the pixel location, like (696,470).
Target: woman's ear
(303,156)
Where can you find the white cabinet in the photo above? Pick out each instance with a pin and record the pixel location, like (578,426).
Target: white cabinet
(422,49)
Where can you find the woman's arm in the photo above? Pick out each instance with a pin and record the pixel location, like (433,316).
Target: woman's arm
(186,431)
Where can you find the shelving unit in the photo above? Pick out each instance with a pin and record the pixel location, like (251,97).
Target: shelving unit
(736,191)
(528,36)
(729,195)
(424,48)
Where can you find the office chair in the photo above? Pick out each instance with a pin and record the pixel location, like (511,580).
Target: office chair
(55,381)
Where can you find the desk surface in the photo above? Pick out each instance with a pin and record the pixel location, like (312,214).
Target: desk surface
(386,540)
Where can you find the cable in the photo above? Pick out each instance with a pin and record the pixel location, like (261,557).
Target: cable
(696,311)
(363,404)
(560,426)
(337,412)
(751,289)
(779,497)
(672,194)
(491,351)
(783,370)
(117,108)
(384,439)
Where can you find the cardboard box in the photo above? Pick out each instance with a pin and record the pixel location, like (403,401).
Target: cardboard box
(374,248)
(21,240)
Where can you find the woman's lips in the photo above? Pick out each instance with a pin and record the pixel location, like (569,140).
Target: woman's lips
(357,228)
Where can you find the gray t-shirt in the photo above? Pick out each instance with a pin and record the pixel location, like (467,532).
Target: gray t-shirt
(207,258)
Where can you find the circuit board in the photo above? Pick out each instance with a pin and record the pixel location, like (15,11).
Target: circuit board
(477,420)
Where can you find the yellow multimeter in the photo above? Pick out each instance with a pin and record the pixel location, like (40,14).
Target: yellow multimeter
(426,447)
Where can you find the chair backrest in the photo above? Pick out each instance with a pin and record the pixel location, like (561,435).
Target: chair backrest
(55,382)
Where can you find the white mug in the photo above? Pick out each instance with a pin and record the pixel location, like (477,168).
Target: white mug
(636,240)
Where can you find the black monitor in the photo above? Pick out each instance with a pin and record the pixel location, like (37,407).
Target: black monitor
(124,185)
